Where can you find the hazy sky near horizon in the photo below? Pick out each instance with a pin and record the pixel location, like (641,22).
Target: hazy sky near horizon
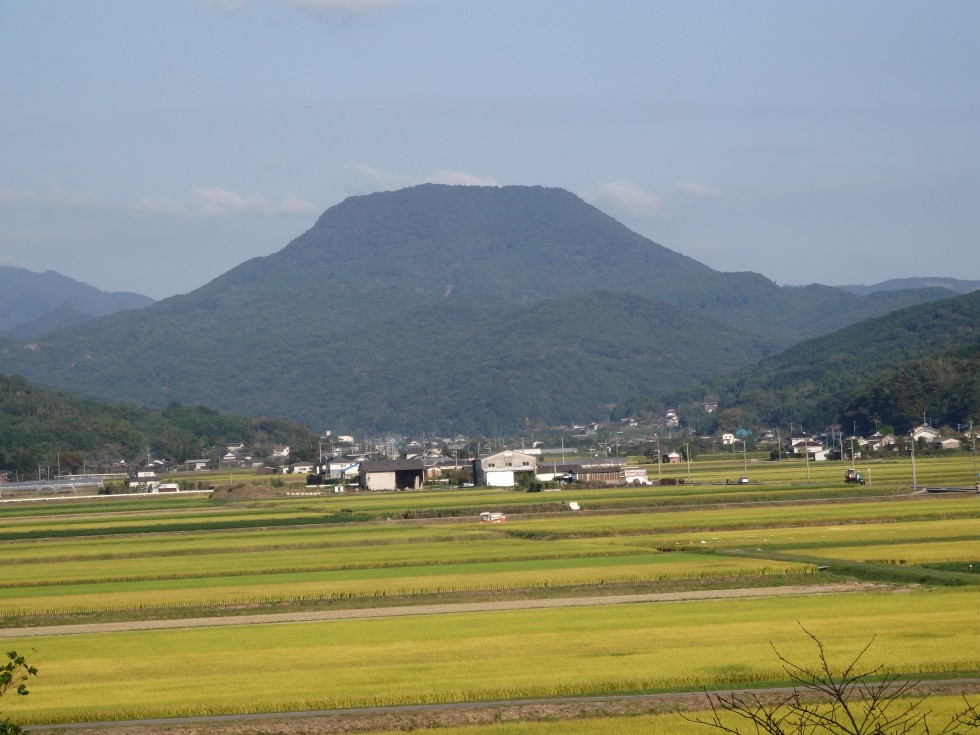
(151,146)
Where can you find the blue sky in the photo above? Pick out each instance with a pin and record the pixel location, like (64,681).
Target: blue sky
(151,146)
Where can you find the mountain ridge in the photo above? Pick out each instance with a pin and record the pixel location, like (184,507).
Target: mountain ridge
(842,375)
(34,303)
(409,309)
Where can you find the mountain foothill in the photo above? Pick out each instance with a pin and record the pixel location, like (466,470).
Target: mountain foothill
(460,309)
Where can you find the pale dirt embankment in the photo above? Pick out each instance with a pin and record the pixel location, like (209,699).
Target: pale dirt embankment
(443,609)
(406,718)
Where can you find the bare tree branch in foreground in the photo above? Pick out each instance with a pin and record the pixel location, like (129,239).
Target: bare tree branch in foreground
(853,701)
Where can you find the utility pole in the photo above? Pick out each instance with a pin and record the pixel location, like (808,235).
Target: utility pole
(913,461)
(976,478)
(659,475)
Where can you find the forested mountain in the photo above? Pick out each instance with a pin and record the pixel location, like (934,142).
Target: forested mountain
(35,303)
(891,368)
(37,424)
(956,285)
(945,387)
(449,309)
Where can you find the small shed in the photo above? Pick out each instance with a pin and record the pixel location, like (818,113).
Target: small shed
(398,474)
(599,475)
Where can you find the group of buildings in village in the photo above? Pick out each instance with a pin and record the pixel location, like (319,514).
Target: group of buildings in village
(525,467)
(516,468)
(506,468)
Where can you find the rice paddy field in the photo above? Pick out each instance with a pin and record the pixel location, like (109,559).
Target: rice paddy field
(878,562)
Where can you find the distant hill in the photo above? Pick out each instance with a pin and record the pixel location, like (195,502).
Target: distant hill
(891,368)
(449,309)
(37,424)
(34,303)
(955,285)
(946,387)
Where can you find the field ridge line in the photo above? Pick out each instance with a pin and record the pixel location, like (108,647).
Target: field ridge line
(439,609)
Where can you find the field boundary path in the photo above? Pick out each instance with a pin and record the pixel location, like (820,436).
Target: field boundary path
(442,609)
(395,718)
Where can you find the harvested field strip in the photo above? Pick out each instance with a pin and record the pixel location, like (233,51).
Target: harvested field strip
(730,518)
(566,720)
(561,525)
(156,525)
(486,656)
(254,589)
(212,542)
(316,559)
(820,536)
(966,550)
(459,549)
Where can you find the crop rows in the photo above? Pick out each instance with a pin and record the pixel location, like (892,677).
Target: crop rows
(484,656)
(182,560)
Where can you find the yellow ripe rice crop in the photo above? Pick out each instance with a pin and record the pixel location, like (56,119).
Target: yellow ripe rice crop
(485,656)
(379,581)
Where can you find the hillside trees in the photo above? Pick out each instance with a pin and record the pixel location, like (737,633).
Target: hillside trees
(50,429)
(947,387)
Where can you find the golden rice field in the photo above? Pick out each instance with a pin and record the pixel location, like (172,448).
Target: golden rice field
(486,656)
(127,560)
(69,596)
(938,552)
(940,709)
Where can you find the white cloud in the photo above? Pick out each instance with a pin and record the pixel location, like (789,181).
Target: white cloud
(843,185)
(626,199)
(55,197)
(341,7)
(697,190)
(217,201)
(226,5)
(379,179)
(204,201)
(382,180)
(446,176)
(14,198)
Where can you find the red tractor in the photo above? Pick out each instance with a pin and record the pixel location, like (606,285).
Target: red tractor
(854,476)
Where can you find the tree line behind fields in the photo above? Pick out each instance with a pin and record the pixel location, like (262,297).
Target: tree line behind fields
(42,427)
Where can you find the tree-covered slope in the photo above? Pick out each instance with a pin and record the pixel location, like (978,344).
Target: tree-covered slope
(945,388)
(34,303)
(37,424)
(444,308)
(813,382)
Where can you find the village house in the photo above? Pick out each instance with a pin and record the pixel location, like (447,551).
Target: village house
(146,481)
(924,431)
(504,469)
(397,474)
(879,442)
(346,467)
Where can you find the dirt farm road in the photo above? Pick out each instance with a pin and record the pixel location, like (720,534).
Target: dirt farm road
(463,607)
(411,717)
